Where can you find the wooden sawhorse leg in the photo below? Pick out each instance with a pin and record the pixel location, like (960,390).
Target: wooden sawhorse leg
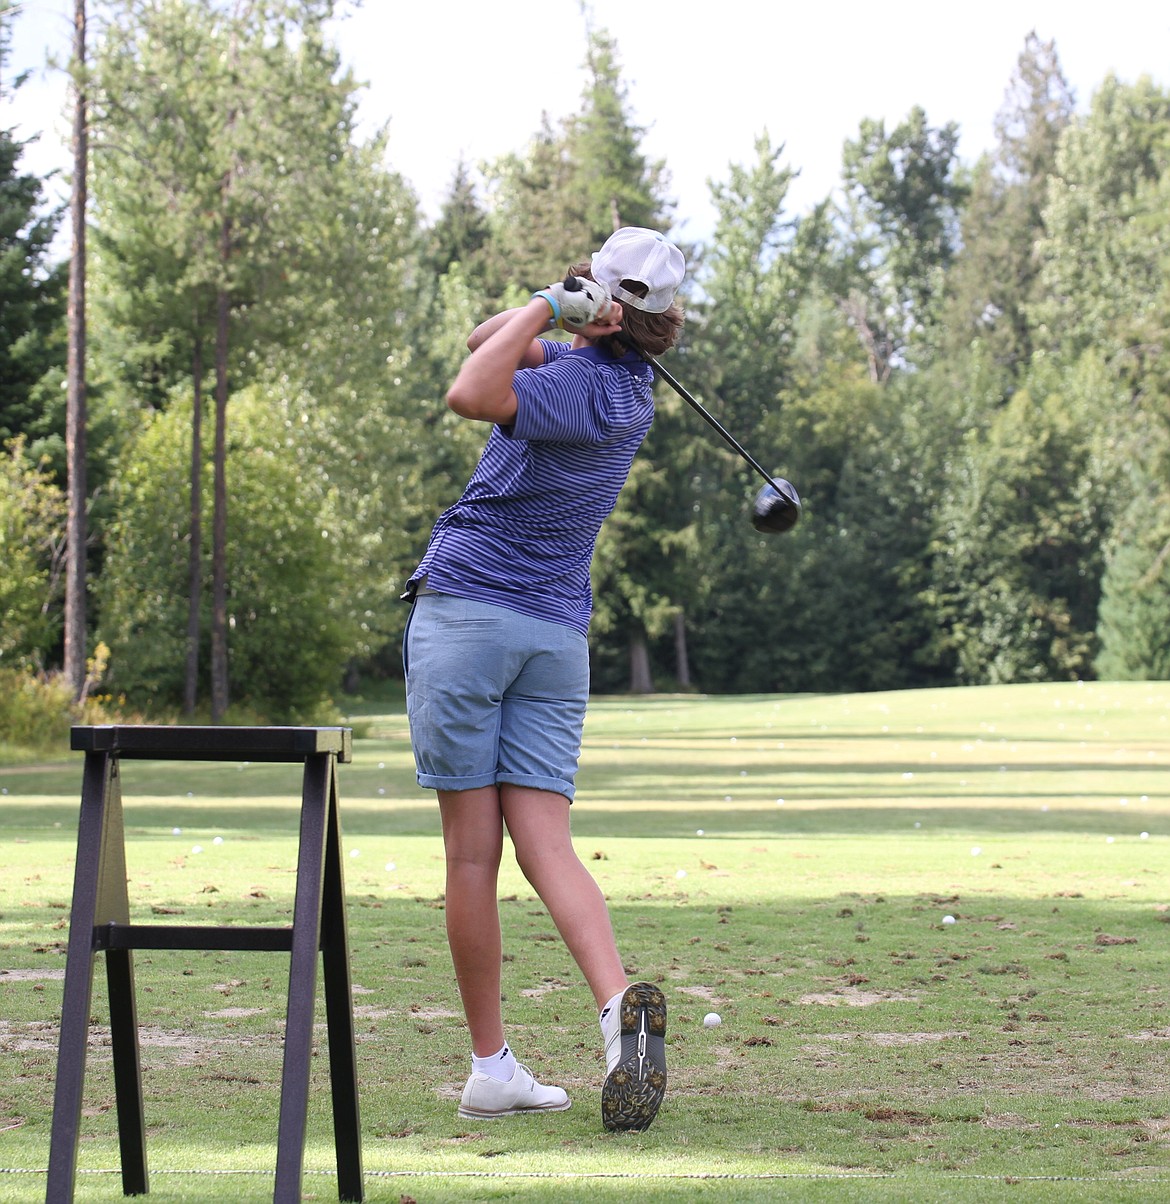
(99,898)
(101,922)
(319,924)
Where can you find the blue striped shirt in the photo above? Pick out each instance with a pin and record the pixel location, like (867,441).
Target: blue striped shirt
(523,533)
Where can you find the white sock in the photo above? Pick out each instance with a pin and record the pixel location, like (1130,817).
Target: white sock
(500,1066)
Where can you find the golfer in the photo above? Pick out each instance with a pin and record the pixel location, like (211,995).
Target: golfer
(496,654)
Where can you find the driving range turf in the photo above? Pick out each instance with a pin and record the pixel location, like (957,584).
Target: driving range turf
(785,861)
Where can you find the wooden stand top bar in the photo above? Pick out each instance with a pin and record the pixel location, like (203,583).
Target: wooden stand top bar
(180,743)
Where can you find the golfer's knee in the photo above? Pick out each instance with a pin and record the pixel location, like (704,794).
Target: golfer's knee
(474,868)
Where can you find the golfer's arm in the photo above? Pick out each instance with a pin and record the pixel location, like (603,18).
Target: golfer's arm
(532,357)
(483,388)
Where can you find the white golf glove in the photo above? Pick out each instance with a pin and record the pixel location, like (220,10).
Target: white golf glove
(575,301)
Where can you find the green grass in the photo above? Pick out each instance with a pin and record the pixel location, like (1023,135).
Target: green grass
(785,861)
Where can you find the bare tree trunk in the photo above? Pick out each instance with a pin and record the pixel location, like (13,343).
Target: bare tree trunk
(219,623)
(682,666)
(195,549)
(75,413)
(641,679)
(878,347)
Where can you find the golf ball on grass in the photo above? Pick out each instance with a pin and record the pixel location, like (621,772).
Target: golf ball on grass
(712,1020)
(948,919)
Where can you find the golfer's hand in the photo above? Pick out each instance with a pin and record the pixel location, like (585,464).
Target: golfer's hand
(577,303)
(609,321)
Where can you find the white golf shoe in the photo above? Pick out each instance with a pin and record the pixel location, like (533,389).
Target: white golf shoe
(635,1058)
(484,1096)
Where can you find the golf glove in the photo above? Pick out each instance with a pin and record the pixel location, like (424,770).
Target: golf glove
(575,301)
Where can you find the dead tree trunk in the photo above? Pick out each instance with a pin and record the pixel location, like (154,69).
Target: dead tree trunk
(219,617)
(195,549)
(641,679)
(682,665)
(75,412)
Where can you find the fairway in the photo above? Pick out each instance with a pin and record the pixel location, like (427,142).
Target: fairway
(935,924)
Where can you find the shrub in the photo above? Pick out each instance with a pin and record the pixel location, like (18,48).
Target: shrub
(37,709)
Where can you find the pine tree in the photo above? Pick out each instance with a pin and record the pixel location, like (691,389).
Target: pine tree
(1134,626)
(32,298)
(994,280)
(902,196)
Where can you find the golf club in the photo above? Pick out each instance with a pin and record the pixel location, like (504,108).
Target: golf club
(777,506)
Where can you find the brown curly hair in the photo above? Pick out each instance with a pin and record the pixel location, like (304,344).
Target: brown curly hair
(653,333)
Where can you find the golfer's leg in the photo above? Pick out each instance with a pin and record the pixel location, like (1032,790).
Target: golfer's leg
(538,823)
(473,840)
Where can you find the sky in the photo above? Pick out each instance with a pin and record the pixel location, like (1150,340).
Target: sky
(463,79)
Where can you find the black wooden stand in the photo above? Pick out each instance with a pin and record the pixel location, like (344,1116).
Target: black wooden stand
(100,922)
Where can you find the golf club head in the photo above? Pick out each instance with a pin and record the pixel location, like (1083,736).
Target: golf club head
(776,508)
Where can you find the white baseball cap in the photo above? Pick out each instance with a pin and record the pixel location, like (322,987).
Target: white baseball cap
(634,253)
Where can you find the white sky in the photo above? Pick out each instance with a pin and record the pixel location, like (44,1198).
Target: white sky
(471,79)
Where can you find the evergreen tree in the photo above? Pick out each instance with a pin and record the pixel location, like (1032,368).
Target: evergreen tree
(462,233)
(616,185)
(1096,261)
(549,209)
(1134,626)
(1020,536)
(570,190)
(994,279)
(739,361)
(902,197)
(32,296)
(32,538)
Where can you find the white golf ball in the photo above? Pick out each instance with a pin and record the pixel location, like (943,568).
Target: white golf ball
(948,919)
(712,1019)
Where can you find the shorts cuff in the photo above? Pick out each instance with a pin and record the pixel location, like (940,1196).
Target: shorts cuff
(555,785)
(432,781)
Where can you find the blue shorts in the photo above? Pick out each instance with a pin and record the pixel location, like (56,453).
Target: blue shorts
(493,696)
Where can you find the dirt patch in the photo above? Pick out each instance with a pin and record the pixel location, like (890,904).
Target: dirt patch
(854,998)
(1150,1034)
(545,988)
(185,1049)
(901,1116)
(1158,1129)
(32,975)
(235,1013)
(896,1039)
(1006,1120)
(698,992)
(190,1050)
(880,1113)
(364,1012)
(27,1038)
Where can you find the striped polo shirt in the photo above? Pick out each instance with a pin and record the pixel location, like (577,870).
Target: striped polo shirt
(523,533)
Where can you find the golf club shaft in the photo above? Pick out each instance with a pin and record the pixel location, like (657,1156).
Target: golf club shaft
(703,413)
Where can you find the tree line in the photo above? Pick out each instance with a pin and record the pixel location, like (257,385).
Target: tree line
(962,367)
